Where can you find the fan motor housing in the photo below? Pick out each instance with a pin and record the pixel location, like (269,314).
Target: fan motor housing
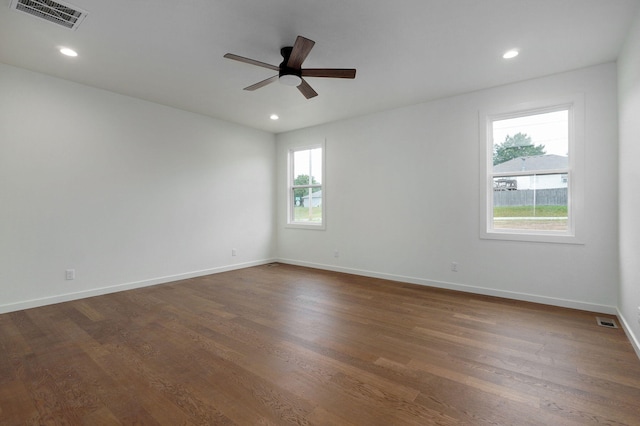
(289,71)
(292,76)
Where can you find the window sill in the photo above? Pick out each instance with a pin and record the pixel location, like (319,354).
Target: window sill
(532,237)
(313,227)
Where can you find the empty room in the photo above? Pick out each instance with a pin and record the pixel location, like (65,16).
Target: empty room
(319,213)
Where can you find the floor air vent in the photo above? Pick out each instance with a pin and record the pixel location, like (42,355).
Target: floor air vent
(606,322)
(65,15)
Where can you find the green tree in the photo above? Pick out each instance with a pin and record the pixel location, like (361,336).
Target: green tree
(301,192)
(518,145)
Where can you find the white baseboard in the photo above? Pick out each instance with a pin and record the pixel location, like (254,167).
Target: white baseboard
(564,303)
(632,337)
(34,303)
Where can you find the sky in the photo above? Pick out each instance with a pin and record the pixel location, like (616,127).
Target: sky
(548,129)
(304,160)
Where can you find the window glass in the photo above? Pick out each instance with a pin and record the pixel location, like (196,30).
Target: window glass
(530,172)
(531,202)
(308,162)
(535,134)
(306,205)
(530,191)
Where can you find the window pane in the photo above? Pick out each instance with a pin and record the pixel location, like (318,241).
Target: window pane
(301,165)
(307,163)
(316,165)
(307,205)
(531,202)
(531,143)
(305,209)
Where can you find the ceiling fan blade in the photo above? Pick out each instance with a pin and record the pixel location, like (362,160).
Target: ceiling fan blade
(301,49)
(262,83)
(329,72)
(251,61)
(307,90)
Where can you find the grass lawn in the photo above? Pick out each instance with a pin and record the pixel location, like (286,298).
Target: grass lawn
(528,211)
(525,213)
(301,214)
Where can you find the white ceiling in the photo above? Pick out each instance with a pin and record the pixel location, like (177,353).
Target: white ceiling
(405,51)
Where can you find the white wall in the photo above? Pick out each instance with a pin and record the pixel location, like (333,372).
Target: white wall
(629,111)
(131,193)
(421,165)
(126,192)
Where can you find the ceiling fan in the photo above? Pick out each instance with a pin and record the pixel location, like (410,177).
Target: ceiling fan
(290,71)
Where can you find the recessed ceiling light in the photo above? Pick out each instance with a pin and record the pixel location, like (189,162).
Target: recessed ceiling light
(68,52)
(274,117)
(511,54)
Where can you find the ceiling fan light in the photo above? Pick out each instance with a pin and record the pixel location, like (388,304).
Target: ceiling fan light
(290,80)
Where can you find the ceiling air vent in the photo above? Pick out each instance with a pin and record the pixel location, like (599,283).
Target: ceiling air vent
(65,15)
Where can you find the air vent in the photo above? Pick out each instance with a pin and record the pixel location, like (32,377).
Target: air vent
(606,322)
(65,15)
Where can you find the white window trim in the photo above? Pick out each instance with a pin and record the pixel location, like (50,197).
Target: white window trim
(575,104)
(289,208)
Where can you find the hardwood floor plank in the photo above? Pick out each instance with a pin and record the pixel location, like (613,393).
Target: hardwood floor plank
(112,384)
(252,379)
(275,345)
(320,416)
(16,404)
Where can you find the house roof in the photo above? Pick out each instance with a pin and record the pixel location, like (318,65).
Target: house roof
(536,162)
(317,194)
(171,52)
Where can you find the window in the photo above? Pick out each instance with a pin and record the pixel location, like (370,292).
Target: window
(531,171)
(306,206)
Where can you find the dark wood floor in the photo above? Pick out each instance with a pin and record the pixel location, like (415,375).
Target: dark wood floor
(275,345)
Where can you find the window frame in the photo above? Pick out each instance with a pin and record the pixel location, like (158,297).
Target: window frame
(290,187)
(574,104)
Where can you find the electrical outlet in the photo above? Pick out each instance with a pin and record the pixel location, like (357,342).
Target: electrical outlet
(454,266)
(70,274)
(336,253)
(638,314)
(234,252)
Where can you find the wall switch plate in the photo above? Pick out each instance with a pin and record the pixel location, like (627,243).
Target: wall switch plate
(70,274)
